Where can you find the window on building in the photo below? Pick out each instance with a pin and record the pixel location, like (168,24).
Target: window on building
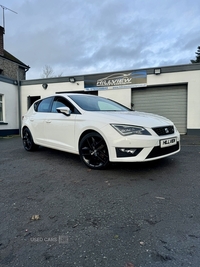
(1,108)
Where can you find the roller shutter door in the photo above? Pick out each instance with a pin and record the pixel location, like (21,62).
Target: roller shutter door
(170,102)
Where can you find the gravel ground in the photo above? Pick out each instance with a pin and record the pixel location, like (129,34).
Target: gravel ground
(56,212)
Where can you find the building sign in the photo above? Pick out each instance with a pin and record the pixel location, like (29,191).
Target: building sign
(118,81)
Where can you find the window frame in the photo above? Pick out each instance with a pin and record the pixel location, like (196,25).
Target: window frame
(66,103)
(52,100)
(37,105)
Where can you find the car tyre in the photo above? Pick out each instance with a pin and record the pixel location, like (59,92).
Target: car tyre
(93,151)
(28,142)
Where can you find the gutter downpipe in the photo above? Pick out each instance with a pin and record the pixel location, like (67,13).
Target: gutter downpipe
(19,102)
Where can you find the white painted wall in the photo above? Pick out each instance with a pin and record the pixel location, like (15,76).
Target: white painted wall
(10,105)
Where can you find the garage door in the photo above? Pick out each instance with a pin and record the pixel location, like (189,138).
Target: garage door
(170,102)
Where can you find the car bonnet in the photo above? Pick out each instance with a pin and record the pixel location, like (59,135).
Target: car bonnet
(131,117)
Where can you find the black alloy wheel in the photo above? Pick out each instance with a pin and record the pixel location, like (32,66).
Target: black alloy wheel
(93,151)
(28,143)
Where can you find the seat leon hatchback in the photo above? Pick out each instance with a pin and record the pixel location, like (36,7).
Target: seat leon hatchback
(98,129)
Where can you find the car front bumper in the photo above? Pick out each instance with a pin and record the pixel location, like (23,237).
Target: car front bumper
(138,148)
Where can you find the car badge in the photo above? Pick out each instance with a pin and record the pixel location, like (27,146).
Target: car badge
(166,130)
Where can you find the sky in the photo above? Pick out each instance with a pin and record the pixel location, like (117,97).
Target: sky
(76,37)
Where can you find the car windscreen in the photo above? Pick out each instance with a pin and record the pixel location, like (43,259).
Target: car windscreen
(95,103)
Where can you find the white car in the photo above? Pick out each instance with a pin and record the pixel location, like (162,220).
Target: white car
(98,129)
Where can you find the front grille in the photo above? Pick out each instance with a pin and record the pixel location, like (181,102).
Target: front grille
(164,130)
(158,151)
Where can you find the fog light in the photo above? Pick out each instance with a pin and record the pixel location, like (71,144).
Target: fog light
(127,152)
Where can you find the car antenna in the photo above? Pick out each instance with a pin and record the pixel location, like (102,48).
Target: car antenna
(5,8)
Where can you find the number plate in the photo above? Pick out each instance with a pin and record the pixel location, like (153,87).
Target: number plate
(168,142)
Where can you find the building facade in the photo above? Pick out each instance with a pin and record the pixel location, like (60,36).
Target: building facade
(9,107)
(170,91)
(12,70)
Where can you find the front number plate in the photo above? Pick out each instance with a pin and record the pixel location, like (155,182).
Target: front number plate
(168,142)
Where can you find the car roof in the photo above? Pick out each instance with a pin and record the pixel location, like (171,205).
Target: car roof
(68,94)
(75,94)
(65,95)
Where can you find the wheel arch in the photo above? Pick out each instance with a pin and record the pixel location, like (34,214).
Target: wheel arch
(25,127)
(28,140)
(22,130)
(93,131)
(84,133)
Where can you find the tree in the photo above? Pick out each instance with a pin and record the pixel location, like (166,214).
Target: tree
(48,72)
(197,60)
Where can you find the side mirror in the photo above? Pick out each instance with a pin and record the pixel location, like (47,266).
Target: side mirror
(65,110)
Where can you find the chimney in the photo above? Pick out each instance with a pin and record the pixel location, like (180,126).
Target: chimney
(1,41)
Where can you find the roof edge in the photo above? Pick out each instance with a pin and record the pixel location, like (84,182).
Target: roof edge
(164,69)
(12,58)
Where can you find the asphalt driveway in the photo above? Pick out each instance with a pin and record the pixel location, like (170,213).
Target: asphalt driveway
(56,212)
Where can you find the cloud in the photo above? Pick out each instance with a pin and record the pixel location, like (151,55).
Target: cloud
(79,37)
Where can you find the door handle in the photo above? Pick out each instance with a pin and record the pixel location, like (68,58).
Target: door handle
(48,121)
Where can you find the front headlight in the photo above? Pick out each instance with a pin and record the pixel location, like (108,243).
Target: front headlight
(124,129)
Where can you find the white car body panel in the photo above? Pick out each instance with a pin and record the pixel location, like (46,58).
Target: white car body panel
(58,131)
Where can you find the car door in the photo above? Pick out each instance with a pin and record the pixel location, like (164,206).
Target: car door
(59,128)
(38,118)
